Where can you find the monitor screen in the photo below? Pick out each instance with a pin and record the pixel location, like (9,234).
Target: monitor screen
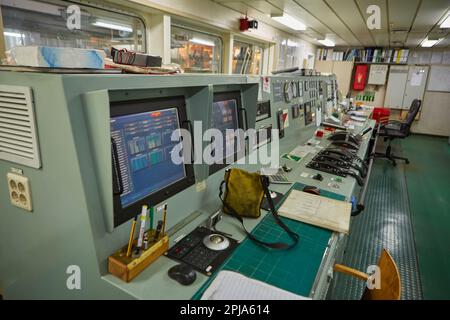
(142,154)
(226,114)
(263,110)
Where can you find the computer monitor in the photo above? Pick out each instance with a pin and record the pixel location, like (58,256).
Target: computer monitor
(227,114)
(144,171)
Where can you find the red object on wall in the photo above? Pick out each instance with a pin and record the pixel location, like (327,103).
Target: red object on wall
(359,82)
(243,24)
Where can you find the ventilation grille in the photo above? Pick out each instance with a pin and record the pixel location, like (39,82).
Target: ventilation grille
(18,138)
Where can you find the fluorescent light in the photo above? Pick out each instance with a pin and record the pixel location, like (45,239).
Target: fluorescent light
(290,22)
(327,43)
(113,26)
(202,41)
(429,43)
(13,34)
(292,43)
(445,23)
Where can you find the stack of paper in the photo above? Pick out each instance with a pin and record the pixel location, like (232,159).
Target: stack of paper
(229,285)
(317,210)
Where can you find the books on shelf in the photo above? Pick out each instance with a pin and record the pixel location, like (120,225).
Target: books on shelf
(327,54)
(367,55)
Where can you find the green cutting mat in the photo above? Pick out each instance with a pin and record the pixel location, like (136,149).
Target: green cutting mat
(293,270)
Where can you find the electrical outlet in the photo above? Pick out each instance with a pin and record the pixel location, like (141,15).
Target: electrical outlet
(19,191)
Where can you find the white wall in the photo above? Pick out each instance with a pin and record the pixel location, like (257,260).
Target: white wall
(435,115)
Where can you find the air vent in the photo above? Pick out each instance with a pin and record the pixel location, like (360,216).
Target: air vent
(18,136)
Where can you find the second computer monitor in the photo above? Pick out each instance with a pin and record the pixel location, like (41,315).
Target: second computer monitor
(227,118)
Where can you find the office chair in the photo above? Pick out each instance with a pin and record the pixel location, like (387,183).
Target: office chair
(397,130)
(390,283)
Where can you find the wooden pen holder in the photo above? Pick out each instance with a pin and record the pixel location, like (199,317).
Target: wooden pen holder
(127,268)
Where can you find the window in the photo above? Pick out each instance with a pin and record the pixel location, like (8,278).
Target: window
(292,54)
(289,52)
(247,58)
(30,22)
(196,51)
(281,55)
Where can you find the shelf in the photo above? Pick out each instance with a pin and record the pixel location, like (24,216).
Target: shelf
(390,63)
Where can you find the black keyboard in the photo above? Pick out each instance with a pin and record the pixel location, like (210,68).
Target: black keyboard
(201,257)
(192,251)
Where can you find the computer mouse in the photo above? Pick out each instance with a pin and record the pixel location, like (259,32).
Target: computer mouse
(182,273)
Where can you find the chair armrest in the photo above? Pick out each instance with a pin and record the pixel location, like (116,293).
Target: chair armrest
(350,271)
(391,122)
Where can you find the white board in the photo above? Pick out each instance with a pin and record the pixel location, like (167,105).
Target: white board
(377,74)
(439,79)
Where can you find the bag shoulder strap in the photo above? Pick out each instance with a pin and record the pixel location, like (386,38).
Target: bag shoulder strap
(273,245)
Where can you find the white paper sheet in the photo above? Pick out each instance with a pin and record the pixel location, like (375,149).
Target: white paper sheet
(416,79)
(229,285)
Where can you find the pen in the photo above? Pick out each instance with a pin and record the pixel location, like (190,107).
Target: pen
(158,230)
(164,219)
(130,241)
(151,218)
(142,226)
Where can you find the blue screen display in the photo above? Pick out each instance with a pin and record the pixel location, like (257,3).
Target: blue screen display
(144,147)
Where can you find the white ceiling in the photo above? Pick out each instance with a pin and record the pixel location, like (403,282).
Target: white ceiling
(404,23)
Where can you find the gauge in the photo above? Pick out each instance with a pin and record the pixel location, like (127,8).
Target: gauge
(295,89)
(288,94)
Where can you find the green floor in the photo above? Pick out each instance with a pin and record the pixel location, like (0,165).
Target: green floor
(428,184)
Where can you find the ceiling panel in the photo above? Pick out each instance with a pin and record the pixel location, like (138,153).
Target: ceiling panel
(429,13)
(344,21)
(444,43)
(264,7)
(402,13)
(381,36)
(293,9)
(415,38)
(322,12)
(349,13)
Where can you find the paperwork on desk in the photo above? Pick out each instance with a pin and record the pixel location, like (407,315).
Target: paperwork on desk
(302,151)
(317,210)
(229,285)
(358,118)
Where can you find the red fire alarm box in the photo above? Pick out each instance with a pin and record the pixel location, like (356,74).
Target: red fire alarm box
(359,82)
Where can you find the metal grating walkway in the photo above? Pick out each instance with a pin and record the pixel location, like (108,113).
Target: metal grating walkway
(386,222)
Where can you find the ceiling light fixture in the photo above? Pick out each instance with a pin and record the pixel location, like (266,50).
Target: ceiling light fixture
(290,22)
(429,43)
(327,43)
(445,23)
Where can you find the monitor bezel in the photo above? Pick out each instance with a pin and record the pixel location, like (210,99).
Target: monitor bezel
(128,107)
(221,96)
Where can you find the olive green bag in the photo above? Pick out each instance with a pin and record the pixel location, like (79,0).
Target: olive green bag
(243,196)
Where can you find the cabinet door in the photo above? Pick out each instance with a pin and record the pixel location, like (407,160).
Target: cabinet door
(395,91)
(415,85)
